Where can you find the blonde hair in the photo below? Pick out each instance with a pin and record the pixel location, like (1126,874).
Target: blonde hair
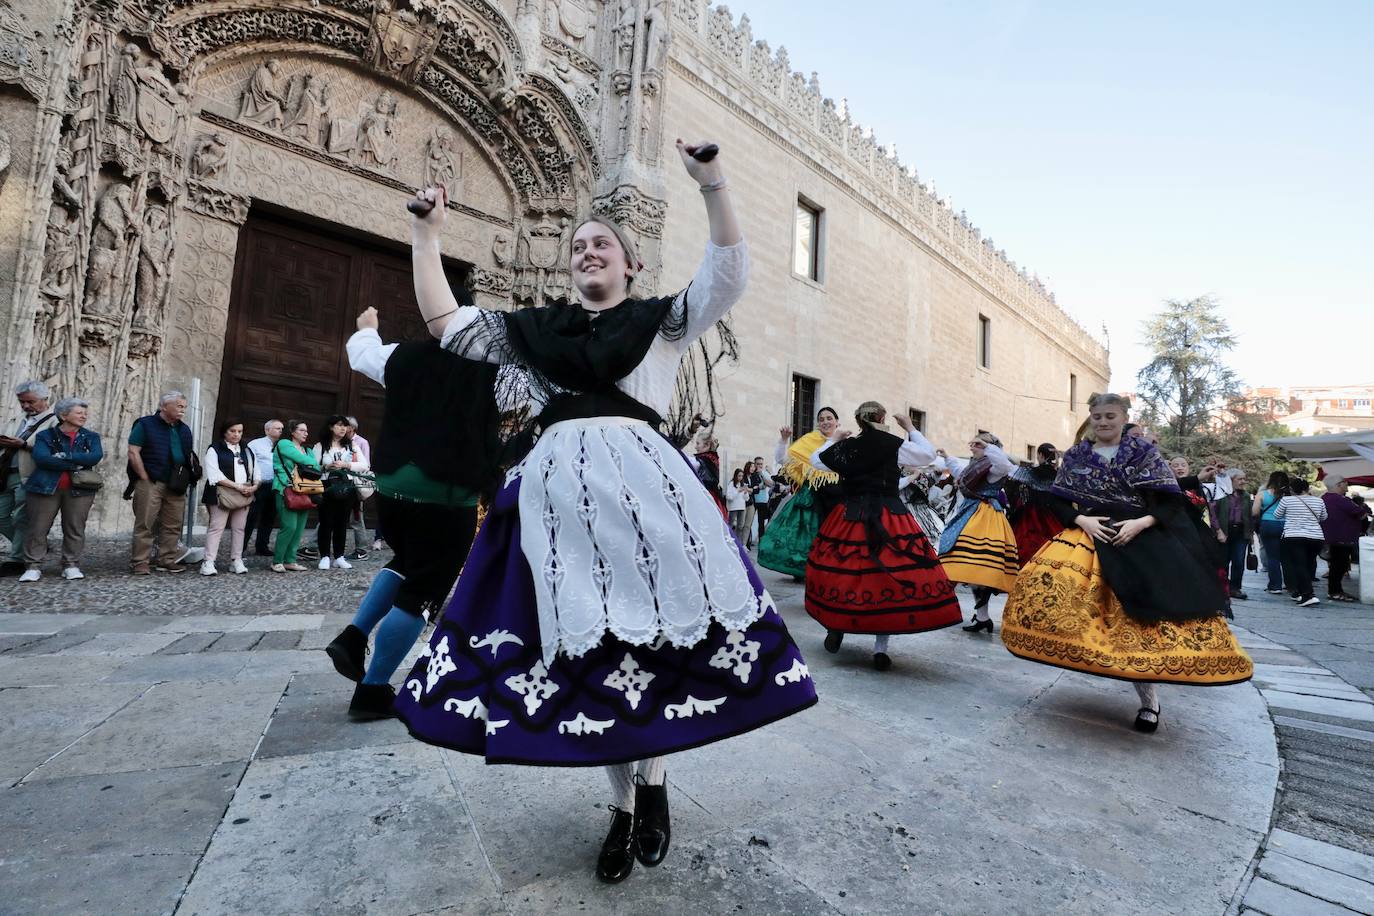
(870,414)
(989,438)
(621,236)
(1107,398)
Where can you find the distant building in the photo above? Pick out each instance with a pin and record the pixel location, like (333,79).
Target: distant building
(1311,410)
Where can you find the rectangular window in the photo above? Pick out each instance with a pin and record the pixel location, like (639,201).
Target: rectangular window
(803,404)
(1362,402)
(1343,403)
(918,418)
(1030,453)
(985,341)
(1073,391)
(806,247)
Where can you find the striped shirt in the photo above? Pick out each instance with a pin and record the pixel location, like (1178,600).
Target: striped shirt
(1302,517)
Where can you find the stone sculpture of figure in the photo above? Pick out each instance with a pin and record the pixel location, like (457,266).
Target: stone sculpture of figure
(500,251)
(624,126)
(154,258)
(65,194)
(441,168)
(59,256)
(114,226)
(624,30)
(375,142)
(262,102)
(211,157)
(304,120)
(656,34)
(124,93)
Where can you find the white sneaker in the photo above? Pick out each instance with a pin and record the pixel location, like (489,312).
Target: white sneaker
(379,544)
(324,562)
(208,568)
(237,567)
(71,572)
(1310,602)
(30,575)
(341,563)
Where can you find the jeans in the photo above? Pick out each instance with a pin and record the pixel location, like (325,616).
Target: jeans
(335,515)
(1237,545)
(1271,536)
(289,537)
(1300,564)
(13,519)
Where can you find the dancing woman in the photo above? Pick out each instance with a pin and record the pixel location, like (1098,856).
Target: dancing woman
(606,614)
(978,545)
(915,489)
(1033,520)
(1126,590)
(871,569)
(786,542)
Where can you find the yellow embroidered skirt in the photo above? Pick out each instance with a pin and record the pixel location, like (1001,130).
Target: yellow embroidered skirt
(1062,612)
(984,551)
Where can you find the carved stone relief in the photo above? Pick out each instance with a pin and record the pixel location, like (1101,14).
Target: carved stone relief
(633,209)
(541,273)
(210,159)
(403,39)
(23,54)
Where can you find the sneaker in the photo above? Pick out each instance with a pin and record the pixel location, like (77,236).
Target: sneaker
(1309,602)
(379,544)
(341,563)
(237,568)
(277,567)
(1273,591)
(72,572)
(307,553)
(192,556)
(30,575)
(324,562)
(358,555)
(208,568)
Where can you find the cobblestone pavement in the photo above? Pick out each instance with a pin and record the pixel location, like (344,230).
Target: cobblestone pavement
(179,745)
(1315,669)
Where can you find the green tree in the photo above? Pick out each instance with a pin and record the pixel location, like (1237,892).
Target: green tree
(1187,379)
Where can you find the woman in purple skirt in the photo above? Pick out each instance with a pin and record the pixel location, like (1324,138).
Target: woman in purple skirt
(606,614)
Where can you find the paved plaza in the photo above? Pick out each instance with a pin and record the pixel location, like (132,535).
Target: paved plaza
(176,744)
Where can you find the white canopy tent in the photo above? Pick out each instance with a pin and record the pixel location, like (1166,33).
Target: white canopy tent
(1346,455)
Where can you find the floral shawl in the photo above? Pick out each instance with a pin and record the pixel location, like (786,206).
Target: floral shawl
(1089,479)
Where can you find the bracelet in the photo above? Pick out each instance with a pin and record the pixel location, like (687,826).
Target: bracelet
(437,317)
(716,185)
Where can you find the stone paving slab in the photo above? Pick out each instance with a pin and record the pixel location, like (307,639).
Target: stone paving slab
(310,718)
(1319,882)
(1358,710)
(108,885)
(37,723)
(1273,899)
(1326,855)
(46,624)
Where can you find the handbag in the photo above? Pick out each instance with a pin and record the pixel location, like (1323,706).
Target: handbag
(297,501)
(230,499)
(1251,561)
(307,481)
(87,479)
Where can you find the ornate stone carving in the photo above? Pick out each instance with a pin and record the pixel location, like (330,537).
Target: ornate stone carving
(154,262)
(376,144)
(501,251)
(217,203)
(563,54)
(541,273)
(263,101)
(576,21)
(308,106)
(115,226)
(241,27)
(5,156)
(441,162)
(210,159)
(23,58)
(657,34)
(634,210)
(625,30)
(402,40)
(495,282)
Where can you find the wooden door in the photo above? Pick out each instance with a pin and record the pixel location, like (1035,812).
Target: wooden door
(296,297)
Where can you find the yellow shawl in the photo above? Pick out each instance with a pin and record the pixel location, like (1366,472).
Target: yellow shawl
(797,468)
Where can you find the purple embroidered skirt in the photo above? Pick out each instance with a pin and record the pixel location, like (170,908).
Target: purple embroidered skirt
(481,686)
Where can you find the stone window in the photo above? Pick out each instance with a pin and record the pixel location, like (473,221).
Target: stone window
(1073,391)
(806,244)
(803,403)
(985,341)
(918,418)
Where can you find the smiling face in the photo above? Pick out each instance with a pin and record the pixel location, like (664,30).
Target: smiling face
(1179,466)
(1107,422)
(600,266)
(826,421)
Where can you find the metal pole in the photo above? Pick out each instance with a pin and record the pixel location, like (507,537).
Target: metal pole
(194,411)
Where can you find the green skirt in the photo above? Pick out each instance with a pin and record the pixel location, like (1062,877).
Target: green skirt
(786,541)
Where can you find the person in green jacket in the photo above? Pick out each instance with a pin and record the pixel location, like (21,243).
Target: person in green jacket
(289,453)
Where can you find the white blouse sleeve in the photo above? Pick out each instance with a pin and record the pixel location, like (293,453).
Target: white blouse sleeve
(949,463)
(916,450)
(717,286)
(213,475)
(368,355)
(816,461)
(1002,465)
(359,463)
(480,335)
(780,453)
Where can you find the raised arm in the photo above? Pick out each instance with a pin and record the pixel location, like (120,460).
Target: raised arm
(1002,465)
(721,278)
(366,352)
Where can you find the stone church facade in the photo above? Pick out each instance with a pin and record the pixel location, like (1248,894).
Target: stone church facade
(212,189)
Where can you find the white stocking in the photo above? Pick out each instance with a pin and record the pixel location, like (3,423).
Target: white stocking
(622,785)
(653,771)
(1149,695)
(880,643)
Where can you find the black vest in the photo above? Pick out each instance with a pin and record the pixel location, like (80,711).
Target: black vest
(440,415)
(226,467)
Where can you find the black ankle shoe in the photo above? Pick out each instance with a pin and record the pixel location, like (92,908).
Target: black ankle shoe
(372,701)
(617,857)
(348,651)
(833,640)
(652,827)
(978,625)
(1143,724)
(882,661)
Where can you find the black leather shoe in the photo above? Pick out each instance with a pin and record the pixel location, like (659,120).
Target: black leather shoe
(372,701)
(1240,596)
(978,625)
(617,857)
(348,652)
(652,828)
(833,640)
(882,661)
(1143,724)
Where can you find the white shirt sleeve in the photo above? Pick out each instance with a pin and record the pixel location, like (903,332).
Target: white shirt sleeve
(359,462)
(949,463)
(816,461)
(368,355)
(717,286)
(485,343)
(780,453)
(916,450)
(1002,465)
(213,475)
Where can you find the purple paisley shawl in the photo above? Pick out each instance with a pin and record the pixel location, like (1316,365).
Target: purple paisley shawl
(1091,480)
